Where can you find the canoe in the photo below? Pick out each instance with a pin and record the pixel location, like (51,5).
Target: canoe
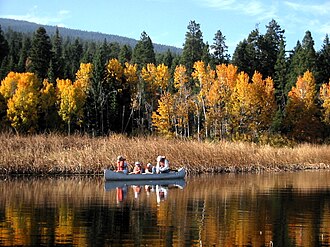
(178,183)
(110,175)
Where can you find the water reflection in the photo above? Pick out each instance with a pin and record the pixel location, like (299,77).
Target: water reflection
(160,188)
(287,209)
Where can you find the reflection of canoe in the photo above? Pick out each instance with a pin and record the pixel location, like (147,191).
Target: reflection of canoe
(110,185)
(118,176)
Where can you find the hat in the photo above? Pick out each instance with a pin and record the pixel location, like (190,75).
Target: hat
(159,158)
(137,163)
(149,164)
(120,158)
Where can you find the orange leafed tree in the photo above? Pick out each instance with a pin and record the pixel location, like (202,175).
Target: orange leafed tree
(218,98)
(302,119)
(204,76)
(239,108)
(262,103)
(252,105)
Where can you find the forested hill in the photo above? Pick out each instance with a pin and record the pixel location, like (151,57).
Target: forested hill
(30,27)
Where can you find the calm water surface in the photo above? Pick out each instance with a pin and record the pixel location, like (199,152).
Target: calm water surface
(277,209)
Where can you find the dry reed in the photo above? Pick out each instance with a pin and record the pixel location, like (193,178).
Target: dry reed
(57,154)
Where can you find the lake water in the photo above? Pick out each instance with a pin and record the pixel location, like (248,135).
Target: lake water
(272,209)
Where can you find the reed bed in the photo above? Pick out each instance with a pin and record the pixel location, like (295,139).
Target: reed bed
(58,154)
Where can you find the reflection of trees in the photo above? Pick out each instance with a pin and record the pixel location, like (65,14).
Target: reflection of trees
(215,210)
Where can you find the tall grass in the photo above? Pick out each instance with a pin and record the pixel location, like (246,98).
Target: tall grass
(57,154)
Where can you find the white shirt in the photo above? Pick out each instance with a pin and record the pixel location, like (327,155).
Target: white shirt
(164,168)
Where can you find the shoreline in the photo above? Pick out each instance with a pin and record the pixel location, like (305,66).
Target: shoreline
(54,154)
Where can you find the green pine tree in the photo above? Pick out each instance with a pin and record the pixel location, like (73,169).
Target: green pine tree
(125,54)
(280,79)
(143,52)
(242,57)
(57,58)
(4,48)
(323,63)
(23,58)
(220,49)
(40,53)
(193,48)
(269,47)
(302,59)
(114,50)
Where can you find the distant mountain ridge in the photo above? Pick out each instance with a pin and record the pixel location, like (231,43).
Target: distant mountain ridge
(30,27)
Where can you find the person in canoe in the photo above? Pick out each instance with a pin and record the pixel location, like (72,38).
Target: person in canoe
(137,168)
(122,165)
(150,168)
(163,165)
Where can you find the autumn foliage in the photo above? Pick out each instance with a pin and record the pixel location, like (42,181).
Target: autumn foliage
(302,113)
(212,102)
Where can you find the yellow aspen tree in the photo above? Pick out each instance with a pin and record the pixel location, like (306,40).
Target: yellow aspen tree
(22,107)
(162,118)
(213,108)
(148,74)
(156,80)
(70,101)
(65,102)
(239,108)
(162,77)
(262,104)
(132,84)
(84,75)
(48,116)
(219,96)
(132,80)
(115,70)
(252,105)
(82,84)
(80,100)
(325,97)
(9,85)
(301,118)
(149,93)
(226,76)
(113,90)
(47,96)
(205,78)
(157,77)
(180,77)
(181,99)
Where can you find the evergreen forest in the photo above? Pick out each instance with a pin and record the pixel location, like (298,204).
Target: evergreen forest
(263,93)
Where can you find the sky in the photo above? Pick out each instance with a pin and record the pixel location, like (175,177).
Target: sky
(166,21)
